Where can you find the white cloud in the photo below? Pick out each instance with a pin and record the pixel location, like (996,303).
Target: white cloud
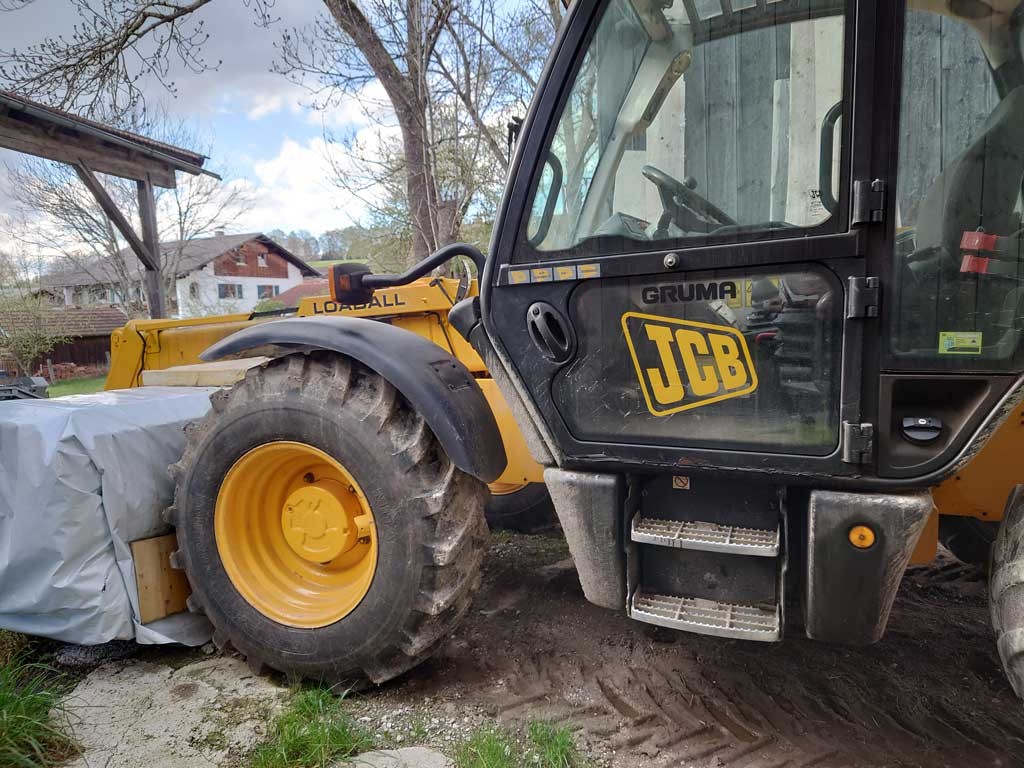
(293,190)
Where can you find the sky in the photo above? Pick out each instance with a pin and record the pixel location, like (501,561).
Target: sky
(261,126)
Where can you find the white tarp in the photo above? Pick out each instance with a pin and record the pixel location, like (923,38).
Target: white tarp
(80,478)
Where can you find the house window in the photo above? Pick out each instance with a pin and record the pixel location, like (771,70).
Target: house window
(261,260)
(267,291)
(229,290)
(240,259)
(193,290)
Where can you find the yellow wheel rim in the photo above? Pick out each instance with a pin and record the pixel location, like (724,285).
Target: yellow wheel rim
(505,489)
(296,534)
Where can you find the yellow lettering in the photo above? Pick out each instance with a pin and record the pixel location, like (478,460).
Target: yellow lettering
(727,358)
(667,388)
(702,377)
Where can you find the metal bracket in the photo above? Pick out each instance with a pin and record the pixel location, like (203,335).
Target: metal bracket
(862,297)
(858,442)
(868,201)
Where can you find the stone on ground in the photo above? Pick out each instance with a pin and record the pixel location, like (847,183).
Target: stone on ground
(143,714)
(410,757)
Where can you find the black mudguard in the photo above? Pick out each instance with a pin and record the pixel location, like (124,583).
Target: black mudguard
(436,384)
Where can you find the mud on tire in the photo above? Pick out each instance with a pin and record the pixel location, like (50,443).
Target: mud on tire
(428,516)
(1006,590)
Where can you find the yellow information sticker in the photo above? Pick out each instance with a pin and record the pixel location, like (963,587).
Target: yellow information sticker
(960,343)
(541,275)
(565,273)
(518,276)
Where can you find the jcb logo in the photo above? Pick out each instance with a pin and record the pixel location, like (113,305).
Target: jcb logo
(683,364)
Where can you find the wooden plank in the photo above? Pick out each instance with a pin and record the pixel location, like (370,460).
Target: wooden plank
(64,147)
(162,590)
(223,373)
(755,92)
(720,93)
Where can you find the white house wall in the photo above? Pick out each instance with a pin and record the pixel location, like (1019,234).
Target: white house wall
(207,300)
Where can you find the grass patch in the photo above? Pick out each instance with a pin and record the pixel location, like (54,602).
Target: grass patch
(324,264)
(554,745)
(78,386)
(546,745)
(313,731)
(11,645)
(489,748)
(29,735)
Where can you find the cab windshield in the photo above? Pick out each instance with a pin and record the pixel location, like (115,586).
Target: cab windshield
(697,119)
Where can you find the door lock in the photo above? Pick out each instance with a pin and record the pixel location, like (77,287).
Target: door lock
(550,332)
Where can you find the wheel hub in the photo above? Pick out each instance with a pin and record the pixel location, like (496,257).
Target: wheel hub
(296,534)
(315,524)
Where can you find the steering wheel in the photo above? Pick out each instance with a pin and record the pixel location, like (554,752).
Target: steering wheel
(690,211)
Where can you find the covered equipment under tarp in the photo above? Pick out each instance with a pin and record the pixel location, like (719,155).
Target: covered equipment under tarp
(80,479)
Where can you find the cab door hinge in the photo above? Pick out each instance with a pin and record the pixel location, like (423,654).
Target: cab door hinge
(862,297)
(858,442)
(868,201)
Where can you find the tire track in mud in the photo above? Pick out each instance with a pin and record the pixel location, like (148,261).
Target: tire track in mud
(930,694)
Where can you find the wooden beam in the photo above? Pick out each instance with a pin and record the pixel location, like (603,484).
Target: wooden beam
(116,217)
(22,135)
(151,239)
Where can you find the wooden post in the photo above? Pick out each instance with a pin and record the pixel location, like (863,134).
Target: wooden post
(49,370)
(148,249)
(154,275)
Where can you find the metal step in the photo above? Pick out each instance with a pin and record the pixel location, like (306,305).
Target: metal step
(708,617)
(709,537)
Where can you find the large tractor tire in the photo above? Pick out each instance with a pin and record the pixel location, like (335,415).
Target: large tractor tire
(526,508)
(1006,590)
(968,538)
(322,528)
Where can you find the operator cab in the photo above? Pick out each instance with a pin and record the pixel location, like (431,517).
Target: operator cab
(753,294)
(719,163)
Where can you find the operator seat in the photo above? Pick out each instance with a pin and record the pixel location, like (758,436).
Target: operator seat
(978,190)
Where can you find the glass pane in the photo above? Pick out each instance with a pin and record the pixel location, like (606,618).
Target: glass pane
(746,360)
(958,256)
(664,138)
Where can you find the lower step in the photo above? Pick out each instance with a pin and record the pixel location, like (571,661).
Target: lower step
(708,617)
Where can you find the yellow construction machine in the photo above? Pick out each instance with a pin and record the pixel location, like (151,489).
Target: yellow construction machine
(518,499)
(754,302)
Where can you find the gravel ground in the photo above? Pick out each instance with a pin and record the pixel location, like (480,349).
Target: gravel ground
(931,693)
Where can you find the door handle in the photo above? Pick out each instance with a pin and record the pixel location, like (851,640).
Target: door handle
(550,332)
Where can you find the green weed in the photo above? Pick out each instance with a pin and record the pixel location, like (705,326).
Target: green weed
(546,745)
(489,748)
(554,745)
(30,696)
(313,731)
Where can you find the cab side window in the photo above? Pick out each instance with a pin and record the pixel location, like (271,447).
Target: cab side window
(958,302)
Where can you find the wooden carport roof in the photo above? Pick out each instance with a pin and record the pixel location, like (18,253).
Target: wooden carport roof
(92,147)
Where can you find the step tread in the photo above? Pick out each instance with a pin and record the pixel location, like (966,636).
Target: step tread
(709,537)
(708,617)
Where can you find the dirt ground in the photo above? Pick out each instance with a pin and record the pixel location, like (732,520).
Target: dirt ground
(931,693)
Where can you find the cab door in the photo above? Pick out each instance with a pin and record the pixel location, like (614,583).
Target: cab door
(679,271)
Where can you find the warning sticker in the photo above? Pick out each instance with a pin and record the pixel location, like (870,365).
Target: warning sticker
(960,343)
